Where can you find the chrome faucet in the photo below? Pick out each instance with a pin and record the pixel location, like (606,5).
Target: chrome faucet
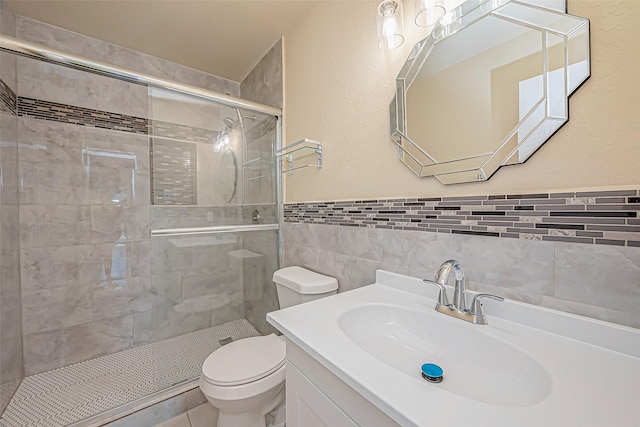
(459,307)
(459,299)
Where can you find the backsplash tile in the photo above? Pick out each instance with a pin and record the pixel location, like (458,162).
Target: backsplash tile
(598,281)
(595,217)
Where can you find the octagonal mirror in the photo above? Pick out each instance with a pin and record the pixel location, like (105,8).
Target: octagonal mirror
(488,87)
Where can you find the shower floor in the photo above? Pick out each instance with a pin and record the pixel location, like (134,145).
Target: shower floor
(70,394)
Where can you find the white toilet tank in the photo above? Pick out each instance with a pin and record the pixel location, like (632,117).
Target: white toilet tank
(296,285)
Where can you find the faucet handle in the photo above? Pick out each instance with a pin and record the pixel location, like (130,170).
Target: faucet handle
(442,295)
(476,307)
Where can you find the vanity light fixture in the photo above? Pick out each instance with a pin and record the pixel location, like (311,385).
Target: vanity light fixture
(428,12)
(389,23)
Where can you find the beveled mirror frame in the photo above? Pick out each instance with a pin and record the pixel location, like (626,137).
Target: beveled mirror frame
(538,125)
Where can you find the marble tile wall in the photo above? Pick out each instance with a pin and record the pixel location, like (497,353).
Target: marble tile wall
(264,84)
(260,260)
(67,41)
(259,176)
(61,85)
(87,256)
(598,281)
(84,238)
(196,283)
(11,364)
(93,280)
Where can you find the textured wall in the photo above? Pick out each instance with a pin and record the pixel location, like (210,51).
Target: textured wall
(338,86)
(337,90)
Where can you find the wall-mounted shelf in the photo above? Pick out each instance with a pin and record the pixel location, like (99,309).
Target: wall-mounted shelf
(298,150)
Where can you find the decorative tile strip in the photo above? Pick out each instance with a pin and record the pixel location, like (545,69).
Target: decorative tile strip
(81,116)
(173,148)
(173,175)
(598,217)
(8,100)
(182,132)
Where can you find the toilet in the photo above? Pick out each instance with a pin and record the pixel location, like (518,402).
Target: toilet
(245,379)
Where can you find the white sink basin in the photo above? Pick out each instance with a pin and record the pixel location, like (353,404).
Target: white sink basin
(476,365)
(529,367)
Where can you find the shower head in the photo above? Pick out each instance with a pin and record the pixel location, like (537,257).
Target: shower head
(228,121)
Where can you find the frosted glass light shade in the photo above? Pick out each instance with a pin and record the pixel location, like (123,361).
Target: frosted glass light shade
(428,12)
(389,24)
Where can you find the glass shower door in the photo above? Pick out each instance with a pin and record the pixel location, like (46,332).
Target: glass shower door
(213,229)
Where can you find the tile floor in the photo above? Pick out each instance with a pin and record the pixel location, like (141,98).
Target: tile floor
(67,395)
(204,415)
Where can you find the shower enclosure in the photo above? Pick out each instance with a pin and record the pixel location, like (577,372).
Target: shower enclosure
(139,225)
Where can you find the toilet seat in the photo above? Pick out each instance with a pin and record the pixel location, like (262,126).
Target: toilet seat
(244,361)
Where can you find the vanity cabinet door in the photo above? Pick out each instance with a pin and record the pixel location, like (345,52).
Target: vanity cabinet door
(307,406)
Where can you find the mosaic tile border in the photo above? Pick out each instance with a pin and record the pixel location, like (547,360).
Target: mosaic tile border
(592,217)
(8,99)
(71,114)
(174,172)
(81,116)
(181,132)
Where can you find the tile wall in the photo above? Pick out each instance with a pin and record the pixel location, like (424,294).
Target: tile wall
(84,216)
(59,38)
(264,85)
(93,281)
(576,252)
(11,371)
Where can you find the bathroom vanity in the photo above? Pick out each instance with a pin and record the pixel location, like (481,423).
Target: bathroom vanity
(354,359)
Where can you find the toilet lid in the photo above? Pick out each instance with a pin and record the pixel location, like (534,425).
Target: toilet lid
(244,361)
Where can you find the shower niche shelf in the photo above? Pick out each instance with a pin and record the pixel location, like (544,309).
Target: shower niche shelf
(305,148)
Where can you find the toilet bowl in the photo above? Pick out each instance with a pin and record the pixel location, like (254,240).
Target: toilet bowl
(245,379)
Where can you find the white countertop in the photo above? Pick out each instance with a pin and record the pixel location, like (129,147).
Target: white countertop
(594,366)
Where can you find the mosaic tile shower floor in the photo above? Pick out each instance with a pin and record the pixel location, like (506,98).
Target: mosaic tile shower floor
(70,394)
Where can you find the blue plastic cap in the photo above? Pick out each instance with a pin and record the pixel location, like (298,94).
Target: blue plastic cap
(432,370)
